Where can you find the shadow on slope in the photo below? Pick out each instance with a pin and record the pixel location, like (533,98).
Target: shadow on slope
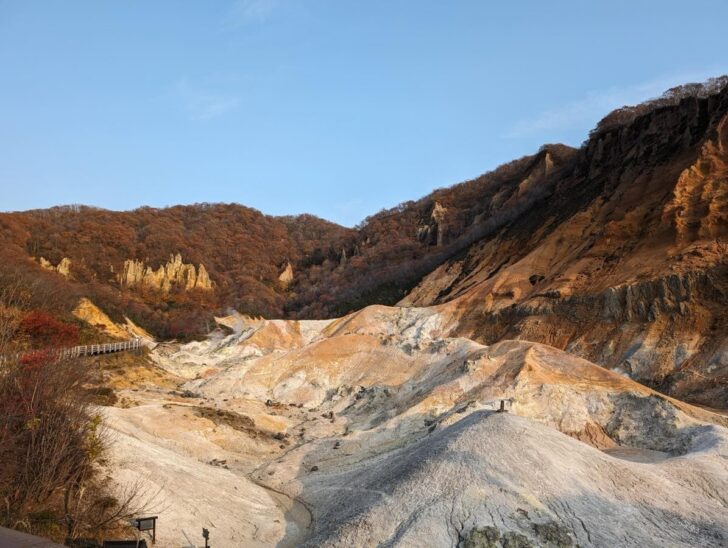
(518,476)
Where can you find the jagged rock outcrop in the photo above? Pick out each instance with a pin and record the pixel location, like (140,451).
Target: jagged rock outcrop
(622,260)
(175,273)
(699,205)
(63,267)
(286,277)
(433,232)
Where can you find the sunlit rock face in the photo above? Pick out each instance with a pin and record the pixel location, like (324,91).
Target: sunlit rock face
(174,273)
(433,229)
(286,277)
(624,263)
(63,267)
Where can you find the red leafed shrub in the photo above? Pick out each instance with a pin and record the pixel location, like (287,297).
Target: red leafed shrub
(46,330)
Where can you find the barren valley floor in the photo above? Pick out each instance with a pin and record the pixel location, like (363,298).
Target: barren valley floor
(380,429)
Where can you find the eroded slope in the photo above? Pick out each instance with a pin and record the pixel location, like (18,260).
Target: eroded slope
(379,427)
(624,263)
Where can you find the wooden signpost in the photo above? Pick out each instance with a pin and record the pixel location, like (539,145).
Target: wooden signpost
(147,524)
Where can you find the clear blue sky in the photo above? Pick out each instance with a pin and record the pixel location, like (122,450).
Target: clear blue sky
(332,107)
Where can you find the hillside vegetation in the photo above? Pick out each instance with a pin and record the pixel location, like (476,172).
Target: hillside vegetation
(562,247)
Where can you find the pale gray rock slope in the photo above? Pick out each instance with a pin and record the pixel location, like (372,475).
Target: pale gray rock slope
(518,476)
(378,429)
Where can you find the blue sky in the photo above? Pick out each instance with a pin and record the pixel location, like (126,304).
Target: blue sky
(332,107)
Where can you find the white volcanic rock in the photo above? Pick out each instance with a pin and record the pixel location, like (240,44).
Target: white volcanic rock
(380,426)
(169,453)
(513,474)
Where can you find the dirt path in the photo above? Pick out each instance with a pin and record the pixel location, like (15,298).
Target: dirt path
(299,517)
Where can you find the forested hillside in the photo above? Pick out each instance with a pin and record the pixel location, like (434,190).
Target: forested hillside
(242,250)
(334,269)
(170,270)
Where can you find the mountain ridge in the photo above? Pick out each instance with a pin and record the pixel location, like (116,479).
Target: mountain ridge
(521,251)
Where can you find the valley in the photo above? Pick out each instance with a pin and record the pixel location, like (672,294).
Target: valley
(325,274)
(381,427)
(615,252)
(535,357)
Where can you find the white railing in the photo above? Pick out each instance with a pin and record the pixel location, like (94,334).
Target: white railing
(77,351)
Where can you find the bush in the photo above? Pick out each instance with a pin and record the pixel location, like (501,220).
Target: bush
(44,330)
(50,446)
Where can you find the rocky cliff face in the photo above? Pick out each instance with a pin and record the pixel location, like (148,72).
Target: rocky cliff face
(174,273)
(432,232)
(286,277)
(624,260)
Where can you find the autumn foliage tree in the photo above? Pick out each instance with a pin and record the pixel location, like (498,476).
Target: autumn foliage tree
(44,330)
(51,443)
